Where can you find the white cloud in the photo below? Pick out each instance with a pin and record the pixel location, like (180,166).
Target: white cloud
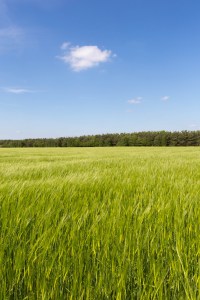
(16,91)
(137,100)
(84,57)
(165,98)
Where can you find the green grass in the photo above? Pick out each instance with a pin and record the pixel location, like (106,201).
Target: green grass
(104,223)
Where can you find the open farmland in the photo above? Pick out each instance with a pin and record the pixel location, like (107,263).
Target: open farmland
(100,223)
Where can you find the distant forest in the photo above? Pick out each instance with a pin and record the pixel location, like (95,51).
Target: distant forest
(145,138)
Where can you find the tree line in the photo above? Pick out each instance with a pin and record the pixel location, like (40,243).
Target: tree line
(144,138)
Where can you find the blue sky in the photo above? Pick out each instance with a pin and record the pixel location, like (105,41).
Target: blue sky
(75,67)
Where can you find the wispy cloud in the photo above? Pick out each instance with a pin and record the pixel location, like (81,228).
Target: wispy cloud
(44,4)
(3,11)
(11,37)
(194,126)
(65,46)
(136,100)
(165,98)
(12,32)
(16,91)
(83,57)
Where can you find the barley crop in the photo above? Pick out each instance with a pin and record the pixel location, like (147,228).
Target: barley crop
(100,223)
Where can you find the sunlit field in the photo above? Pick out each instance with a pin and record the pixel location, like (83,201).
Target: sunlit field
(100,223)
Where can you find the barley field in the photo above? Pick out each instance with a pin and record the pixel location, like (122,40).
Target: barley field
(100,223)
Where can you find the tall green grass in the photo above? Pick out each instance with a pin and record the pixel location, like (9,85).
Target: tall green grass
(105,223)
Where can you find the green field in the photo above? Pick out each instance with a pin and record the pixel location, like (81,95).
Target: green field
(100,223)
